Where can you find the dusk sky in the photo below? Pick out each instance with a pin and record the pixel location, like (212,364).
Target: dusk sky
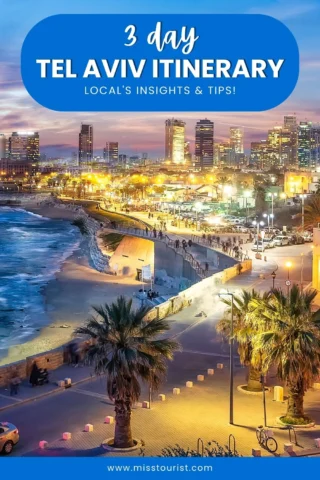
(144,132)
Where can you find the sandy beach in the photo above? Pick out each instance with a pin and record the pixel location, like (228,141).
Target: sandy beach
(68,298)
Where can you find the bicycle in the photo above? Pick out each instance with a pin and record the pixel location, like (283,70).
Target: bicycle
(266,439)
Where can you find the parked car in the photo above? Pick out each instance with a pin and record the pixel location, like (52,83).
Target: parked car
(307,236)
(268,243)
(281,240)
(258,247)
(9,437)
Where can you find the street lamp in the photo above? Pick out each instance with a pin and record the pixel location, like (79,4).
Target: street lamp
(273,195)
(231,357)
(247,194)
(258,224)
(302,211)
(288,283)
(273,275)
(301,272)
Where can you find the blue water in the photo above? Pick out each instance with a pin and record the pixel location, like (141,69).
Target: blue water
(32,250)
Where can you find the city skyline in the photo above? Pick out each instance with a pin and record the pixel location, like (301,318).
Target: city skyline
(138,132)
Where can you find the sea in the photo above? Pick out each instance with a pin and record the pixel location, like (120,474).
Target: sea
(32,250)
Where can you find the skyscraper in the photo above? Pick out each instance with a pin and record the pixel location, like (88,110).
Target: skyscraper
(85,144)
(236,144)
(24,146)
(290,123)
(308,142)
(204,144)
(174,140)
(111,152)
(3,146)
(224,154)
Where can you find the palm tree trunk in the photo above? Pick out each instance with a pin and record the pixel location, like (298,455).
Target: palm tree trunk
(254,384)
(295,400)
(122,434)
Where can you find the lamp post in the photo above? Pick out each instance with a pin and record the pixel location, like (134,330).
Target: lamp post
(273,275)
(258,224)
(265,215)
(303,196)
(288,283)
(273,195)
(247,194)
(231,359)
(301,272)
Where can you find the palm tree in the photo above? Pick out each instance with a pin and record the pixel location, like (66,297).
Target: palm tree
(244,331)
(312,212)
(291,342)
(127,348)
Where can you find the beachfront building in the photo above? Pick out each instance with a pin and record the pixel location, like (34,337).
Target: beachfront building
(85,154)
(24,146)
(174,141)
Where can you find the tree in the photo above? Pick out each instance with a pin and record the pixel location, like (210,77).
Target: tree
(312,212)
(244,332)
(260,199)
(291,342)
(127,348)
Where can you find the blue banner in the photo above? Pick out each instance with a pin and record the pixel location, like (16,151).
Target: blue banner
(160,62)
(126,468)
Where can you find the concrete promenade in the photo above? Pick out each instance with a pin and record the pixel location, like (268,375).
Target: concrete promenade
(44,413)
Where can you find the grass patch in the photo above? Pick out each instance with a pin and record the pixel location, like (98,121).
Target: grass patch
(296,420)
(111,240)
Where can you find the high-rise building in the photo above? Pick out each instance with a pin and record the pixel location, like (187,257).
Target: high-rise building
(308,145)
(224,157)
(204,144)
(111,152)
(174,140)
(260,154)
(290,123)
(85,144)
(187,153)
(3,146)
(123,159)
(236,144)
(24,146)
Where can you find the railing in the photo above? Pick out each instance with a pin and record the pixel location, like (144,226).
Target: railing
(146,233)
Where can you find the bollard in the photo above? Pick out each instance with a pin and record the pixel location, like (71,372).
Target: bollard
(162,397)
(176,391)
(61,383)
(145,404)
(189,384)
(66,436)
(288,447)
(317,442)
(88,427)
(200,378)
(43,444)
(109,419)
(278,394)
(210,371)
(256,452)
(219,366)
(67,381)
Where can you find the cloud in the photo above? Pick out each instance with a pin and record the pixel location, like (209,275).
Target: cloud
(286,9)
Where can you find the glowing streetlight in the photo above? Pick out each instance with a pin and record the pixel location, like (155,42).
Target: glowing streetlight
(273,195)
